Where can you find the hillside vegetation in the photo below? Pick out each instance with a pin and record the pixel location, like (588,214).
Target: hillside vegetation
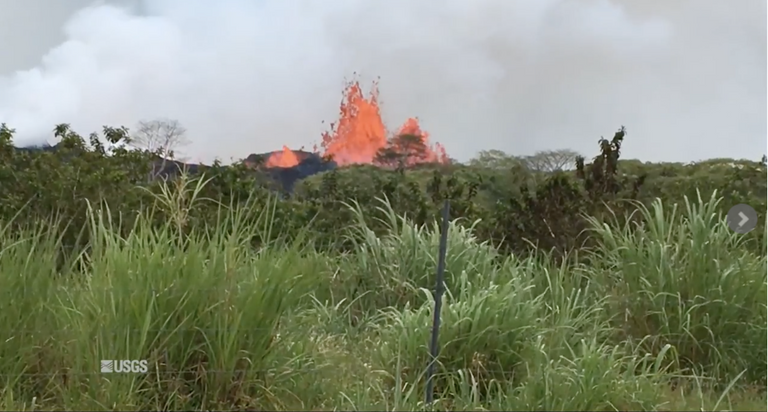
(611,285)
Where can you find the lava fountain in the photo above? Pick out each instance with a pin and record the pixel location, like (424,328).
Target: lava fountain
(359,135)
(284,158)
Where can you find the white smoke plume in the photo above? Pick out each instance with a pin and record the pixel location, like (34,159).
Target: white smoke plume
(687,77)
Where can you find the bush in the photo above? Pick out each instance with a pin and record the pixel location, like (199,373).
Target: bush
(586,290)
(226,325)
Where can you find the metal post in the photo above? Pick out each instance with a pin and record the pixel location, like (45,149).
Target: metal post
(439,290)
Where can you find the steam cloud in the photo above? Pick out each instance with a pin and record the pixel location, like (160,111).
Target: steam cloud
(517,75)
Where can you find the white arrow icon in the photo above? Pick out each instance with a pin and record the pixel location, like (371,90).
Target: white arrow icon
(744,219)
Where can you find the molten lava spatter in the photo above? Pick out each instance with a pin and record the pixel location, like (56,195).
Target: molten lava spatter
(433,154)
(285,158)
(360,133)
(360,136)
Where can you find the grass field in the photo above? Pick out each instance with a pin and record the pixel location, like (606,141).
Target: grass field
(668,316)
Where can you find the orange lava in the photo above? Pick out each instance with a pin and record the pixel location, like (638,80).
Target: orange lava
(433,154)
(285,158)
(360,135)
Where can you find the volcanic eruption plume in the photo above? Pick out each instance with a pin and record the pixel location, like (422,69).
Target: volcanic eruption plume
(360,137)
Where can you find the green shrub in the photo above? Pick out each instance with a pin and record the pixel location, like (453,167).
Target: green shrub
(591,289)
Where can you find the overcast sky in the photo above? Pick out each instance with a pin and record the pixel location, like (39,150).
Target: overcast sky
(686,77)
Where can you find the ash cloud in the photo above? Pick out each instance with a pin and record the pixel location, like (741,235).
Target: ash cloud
(688,78)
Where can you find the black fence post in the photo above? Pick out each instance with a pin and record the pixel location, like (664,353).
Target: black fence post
(439,290)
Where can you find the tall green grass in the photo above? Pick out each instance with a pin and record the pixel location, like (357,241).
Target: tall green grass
(683,278)
(667,314)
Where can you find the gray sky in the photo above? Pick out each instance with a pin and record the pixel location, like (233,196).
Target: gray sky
(686,77)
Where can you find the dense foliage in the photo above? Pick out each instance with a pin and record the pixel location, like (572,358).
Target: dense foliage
(607,285)
(513,205)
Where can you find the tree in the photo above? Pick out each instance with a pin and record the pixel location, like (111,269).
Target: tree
(388,156)
(411,146)
(404,149)
(551,160)
(495,159)
(160,136)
